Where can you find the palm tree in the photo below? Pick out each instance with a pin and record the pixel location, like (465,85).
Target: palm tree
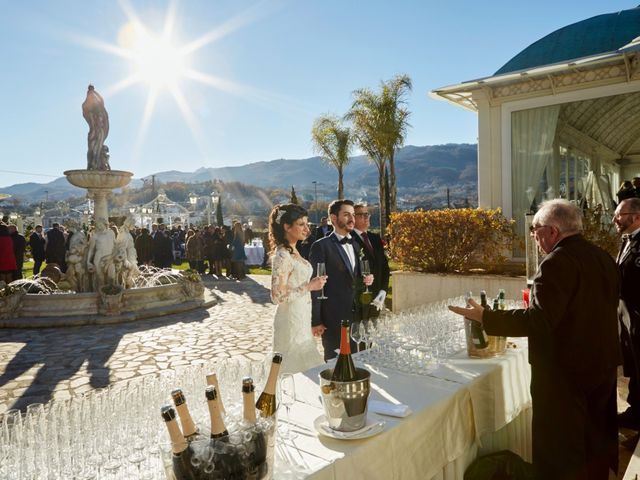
(333,141)
(381,122)
(397,120)
(368,125)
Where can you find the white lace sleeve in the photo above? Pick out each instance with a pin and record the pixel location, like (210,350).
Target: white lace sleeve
(281,269)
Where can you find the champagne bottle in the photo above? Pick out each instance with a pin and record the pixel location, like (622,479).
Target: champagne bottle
(267,400)
(502,304)
(257,461)
(189,429)
(218,429)
(345,370)
(212,379)
(182,452)
(248,400)
(478,335)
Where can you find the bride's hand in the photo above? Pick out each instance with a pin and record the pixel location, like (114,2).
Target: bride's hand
(317,283)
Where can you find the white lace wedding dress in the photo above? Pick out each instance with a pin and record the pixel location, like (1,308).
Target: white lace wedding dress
(292,324)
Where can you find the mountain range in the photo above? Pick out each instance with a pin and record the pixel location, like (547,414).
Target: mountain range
(420,171)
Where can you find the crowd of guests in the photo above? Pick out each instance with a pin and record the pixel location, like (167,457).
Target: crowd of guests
(629,189)
(210,249)
(215,250)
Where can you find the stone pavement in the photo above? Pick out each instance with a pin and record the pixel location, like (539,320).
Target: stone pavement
(37,365)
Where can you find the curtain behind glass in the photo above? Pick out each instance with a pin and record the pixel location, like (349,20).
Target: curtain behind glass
(532,135)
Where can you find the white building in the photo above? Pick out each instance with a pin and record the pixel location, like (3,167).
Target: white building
(561,118)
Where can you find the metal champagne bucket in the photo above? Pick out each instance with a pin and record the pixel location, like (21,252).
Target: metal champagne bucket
(345,403)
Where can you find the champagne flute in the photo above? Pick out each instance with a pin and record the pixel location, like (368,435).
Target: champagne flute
(288,398)
(321,271)
(365,270)
(354,333)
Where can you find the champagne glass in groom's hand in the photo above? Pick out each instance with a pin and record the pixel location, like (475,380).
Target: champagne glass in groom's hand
(321,271)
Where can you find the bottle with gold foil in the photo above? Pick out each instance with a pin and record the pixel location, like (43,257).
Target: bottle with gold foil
(218,430)
(345,370)
(189,429)
(266,403)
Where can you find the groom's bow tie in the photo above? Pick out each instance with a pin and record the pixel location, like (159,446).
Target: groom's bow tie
(346,240)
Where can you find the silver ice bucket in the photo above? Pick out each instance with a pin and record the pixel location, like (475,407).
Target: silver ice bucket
(345,403)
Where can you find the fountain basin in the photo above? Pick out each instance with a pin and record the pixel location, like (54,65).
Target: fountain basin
(102,179)
(64,309)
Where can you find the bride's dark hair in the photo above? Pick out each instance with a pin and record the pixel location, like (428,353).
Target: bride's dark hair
(284,213)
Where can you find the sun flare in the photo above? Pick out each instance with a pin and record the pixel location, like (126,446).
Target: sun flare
(155,59)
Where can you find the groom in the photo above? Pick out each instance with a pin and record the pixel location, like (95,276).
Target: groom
(344,282)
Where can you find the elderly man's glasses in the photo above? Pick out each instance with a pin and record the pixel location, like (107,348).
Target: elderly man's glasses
(533,229)
(363,214)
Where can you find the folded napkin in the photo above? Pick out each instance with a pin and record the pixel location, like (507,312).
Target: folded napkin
(390,409)
(378,302)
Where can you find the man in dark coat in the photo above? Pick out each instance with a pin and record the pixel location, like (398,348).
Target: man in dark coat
(19,246)
(340,255)
(55,247)
(573,348)
(627,222)
(373,248)
(162,248)
(36,242)
(323,229)
(144,247)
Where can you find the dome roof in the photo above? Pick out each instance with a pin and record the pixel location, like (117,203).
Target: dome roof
(595,35)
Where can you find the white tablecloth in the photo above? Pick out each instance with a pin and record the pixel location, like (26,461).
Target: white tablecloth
(467,407)
(255,254)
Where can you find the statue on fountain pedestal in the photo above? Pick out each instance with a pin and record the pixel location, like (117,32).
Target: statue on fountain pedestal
(100,256)
(127,268)
(96,116)
(77,275)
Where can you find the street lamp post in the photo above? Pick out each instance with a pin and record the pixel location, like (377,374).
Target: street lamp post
(214,202)
(315,188)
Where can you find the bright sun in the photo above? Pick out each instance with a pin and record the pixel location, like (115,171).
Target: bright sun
(155,60)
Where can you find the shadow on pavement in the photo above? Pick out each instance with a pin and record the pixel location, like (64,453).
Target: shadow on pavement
(257,292)
(64,350)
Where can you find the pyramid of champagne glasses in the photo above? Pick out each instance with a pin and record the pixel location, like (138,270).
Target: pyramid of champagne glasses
(416,340)
(118,432)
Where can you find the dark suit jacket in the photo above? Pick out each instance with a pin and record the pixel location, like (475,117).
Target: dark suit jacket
(572,319)
(378,262)
(37,246)
(342,289)
(55,249)
(320,233)
(573,350)
(629,266)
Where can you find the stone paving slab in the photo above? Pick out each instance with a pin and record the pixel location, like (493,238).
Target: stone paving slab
(37,365)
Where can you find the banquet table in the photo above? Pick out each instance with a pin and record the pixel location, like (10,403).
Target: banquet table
(254,253)
(464,408)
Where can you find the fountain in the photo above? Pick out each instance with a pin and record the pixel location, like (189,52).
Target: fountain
(103,277)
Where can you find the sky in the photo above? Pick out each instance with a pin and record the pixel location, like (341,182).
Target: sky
(212,83)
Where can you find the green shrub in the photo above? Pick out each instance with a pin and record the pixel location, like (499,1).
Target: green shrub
(448,240)
(599,230)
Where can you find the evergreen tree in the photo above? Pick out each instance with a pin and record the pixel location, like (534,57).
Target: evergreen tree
(219,218)
(294,198)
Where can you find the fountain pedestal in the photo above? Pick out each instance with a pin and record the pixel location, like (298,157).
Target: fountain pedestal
(99,184)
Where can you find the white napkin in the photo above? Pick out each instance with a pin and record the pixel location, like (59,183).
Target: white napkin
(390,409)
(378,302)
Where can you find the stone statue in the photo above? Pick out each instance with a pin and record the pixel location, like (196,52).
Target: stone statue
(126,256)
(100,255)
(96,116)
(77,276)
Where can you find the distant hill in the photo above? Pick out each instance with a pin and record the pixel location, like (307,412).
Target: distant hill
(420,171)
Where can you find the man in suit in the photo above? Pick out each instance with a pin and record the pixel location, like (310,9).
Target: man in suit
(373,249)
(344,282)
(55,248)
(573,348)
(36,242)
(627,222)
(323,229)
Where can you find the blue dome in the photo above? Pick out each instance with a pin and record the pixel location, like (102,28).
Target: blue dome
(599,34)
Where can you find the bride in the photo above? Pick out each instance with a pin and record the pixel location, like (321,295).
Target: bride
(290,289)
